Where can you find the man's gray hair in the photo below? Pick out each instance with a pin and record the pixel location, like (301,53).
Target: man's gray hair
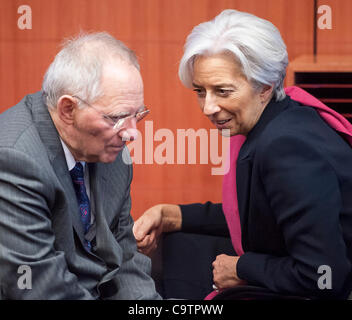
(254,42)
(77,68)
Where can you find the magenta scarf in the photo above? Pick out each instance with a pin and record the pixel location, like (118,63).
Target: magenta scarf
(229,198)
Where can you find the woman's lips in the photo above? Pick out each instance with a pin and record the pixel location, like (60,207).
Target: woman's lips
(222,124)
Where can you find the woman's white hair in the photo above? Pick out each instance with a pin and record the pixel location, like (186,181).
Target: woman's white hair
(255,43)
(77,68)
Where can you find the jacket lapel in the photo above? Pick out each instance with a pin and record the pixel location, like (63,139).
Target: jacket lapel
(107,247)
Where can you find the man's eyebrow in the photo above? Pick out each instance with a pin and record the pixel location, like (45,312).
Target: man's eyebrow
(125,113)
(119,114)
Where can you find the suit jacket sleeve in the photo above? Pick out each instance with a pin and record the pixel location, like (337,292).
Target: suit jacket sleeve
(304,194)
(133,279)
(26,236)
(207,218)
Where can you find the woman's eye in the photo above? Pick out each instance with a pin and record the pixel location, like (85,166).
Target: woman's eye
(199,92)
(224,92)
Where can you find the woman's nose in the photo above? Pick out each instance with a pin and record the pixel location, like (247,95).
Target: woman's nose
(210,106)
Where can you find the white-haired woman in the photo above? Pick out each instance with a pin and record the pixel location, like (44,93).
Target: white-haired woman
(287,196)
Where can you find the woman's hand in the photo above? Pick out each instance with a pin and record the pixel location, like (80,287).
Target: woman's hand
(154,221)
(224,272)
(147,229)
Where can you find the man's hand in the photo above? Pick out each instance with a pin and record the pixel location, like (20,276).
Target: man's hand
(224,272)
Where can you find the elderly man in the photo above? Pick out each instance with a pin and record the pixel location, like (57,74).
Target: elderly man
(65,224)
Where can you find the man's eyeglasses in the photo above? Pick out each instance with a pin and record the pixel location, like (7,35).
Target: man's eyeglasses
(118,122)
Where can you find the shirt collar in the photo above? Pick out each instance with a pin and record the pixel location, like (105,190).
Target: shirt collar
(70,160)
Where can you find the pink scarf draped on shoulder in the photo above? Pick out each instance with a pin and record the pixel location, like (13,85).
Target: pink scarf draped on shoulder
(229,188)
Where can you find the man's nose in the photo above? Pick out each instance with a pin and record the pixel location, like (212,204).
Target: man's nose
(129,132)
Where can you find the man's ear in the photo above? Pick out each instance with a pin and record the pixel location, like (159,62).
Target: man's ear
(266,92)
(65,108)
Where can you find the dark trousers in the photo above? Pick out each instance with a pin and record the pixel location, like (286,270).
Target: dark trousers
(182,264)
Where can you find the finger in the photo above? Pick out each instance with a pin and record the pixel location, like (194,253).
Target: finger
(216,283)
(143,226)
(140,229)
(149,239)
(145,242)
(152,237)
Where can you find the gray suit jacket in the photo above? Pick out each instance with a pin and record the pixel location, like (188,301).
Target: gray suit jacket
(39,221)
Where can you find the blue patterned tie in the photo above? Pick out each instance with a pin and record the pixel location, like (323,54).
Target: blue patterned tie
(77,175)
